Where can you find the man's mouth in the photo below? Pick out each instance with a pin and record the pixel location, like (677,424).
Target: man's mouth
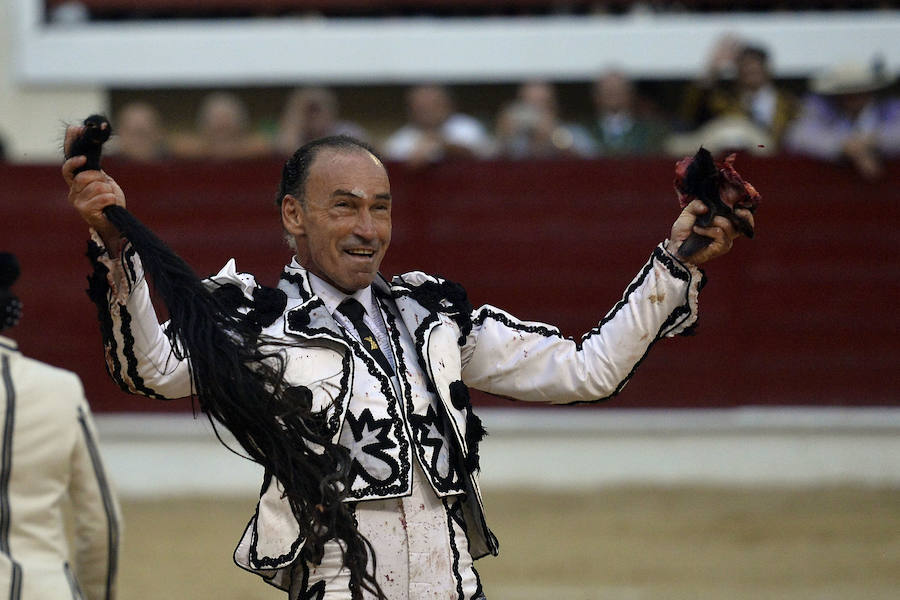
(361,252)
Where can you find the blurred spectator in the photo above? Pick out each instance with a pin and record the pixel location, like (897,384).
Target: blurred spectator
(223,132)
(721,136)
(139,134)
(737,83)
(434,131)
(530,127)
(845,118)
(2,150)
(620,128)
(311,113)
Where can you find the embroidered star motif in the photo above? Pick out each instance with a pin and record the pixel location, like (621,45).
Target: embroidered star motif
(431,433)
(368,448)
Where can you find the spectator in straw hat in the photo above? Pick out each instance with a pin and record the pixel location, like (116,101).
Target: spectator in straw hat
(848,117)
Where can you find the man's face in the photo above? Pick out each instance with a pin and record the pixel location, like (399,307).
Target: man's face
(343,226)
(752,73)
(612,94)
(429,107)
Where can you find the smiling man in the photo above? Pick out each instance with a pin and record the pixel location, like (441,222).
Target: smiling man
(339,221)
(387,365)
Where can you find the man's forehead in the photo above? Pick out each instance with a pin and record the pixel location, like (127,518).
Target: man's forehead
(350,170)
(327,158)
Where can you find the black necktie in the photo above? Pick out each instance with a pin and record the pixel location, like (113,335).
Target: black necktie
(353,310)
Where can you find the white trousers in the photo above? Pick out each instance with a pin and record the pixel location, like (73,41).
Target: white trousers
(421,551)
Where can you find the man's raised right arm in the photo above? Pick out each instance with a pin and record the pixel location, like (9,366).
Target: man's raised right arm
(140,357)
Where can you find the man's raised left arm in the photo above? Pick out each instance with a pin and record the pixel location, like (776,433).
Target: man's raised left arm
(533,361)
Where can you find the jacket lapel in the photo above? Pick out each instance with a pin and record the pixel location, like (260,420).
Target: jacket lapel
(434,336)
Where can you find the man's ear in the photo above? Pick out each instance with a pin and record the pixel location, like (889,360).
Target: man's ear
(292,215)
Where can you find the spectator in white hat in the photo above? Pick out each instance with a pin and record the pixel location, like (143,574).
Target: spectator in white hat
(848,117)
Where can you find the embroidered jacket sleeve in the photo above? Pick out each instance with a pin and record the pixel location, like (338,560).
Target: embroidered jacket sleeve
(140,356)
(534,362)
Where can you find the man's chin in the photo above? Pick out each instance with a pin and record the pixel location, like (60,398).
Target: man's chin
(356,283)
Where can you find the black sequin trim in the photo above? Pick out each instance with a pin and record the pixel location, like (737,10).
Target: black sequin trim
(266,562)
(376,449)
(452,482)
(298,320)
(443,484)
(679,272)
(132,360)
(98,291)
(475,431)
(445,297)
(296,280)
(399,431)
(268,305)
(315,591)
(677,314)
(454,510)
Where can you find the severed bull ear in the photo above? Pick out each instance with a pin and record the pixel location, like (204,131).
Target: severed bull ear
(97,130)
(719,186)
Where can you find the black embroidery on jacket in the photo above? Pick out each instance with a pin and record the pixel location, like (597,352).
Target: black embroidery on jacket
(266,562)
(447,478)
(315,591)
(459,393)
(131,359)
(98,291)
(454,510)
(371,441)
(298,320)
(266,307)
(297,281)
(231,296)
(269,304)
(679,271)
(395,419)
(676,316)
(128,254)
(419,340)
(475,431)
(318,421)
(444,483)
(486,313)
(445,297)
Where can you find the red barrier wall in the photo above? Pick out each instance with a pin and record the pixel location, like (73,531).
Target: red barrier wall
(804,314)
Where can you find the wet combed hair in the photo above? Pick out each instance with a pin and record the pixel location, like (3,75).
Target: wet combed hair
(296,168)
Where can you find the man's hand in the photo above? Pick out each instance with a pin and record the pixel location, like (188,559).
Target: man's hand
(722,232)
(90,192)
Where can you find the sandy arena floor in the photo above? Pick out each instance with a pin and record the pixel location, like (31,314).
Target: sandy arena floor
(646,543)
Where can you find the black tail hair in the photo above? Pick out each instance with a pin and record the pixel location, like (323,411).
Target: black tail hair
(238,379)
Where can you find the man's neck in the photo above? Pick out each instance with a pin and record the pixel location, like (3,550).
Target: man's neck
(332,296)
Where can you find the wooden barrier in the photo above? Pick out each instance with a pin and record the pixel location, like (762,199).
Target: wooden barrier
(804,314)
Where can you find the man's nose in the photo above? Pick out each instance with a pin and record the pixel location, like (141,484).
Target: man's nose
(365,225)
